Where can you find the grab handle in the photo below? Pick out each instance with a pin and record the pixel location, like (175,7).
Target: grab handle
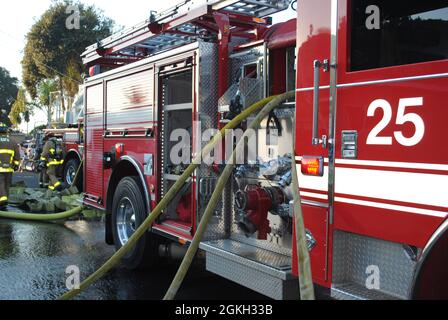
(317,65)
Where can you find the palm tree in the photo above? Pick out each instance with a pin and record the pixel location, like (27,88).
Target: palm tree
(44,92)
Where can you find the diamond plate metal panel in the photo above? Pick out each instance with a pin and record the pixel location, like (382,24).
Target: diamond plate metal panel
(355,291)
(251,91)
(251,267)
(208,116)
(237,62)
(353,253)
(247,252)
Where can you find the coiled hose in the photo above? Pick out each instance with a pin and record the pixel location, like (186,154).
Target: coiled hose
(146,225)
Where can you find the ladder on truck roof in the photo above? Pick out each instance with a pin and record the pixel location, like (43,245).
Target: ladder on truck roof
(181,25)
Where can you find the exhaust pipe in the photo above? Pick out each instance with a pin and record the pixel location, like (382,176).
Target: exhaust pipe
(172,251)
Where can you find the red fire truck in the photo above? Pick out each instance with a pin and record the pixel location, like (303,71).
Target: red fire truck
(371,80)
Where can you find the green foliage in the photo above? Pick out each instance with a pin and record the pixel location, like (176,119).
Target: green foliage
(52,51)
(37,129)
(18,108)
(8,94)
(44,90)
(73,72)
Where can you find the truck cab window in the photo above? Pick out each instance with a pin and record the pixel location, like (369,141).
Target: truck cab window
(389,33)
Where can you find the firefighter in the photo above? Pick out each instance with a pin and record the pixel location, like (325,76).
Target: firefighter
(41,164)
(51,161)
(9,162)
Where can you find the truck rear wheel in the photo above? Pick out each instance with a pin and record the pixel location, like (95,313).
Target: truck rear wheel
(69,174)
(128,213)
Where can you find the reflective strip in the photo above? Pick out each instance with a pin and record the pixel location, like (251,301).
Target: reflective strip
(43,159)
(3,199)
(57,184)
(17,162)
(8,151)
(6,170)
(52,151)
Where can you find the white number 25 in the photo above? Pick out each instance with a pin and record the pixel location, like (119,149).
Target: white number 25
(402,118)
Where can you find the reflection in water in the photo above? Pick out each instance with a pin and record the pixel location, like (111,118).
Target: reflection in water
(34,257)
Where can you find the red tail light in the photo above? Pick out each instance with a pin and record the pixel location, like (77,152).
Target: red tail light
(313,166)
(119,150)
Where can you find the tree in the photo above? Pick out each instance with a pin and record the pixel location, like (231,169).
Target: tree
(72,87)
(8,94)
(21,109)
(52,50)
(44,91)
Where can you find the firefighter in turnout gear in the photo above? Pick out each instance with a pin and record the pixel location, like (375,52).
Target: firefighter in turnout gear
(51,160)
(9,162)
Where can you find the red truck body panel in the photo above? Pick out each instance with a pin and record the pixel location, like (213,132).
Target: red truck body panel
(391,191)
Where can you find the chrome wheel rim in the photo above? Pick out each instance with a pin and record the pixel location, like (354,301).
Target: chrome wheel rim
(126,221)
(70,176)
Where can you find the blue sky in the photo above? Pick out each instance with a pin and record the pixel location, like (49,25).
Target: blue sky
(17,16)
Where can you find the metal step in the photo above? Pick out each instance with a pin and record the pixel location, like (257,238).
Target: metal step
(355,291)
(263,271)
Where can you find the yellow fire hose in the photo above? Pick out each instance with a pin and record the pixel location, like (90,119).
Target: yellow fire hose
(146,225)
(45,217)
(217,194)
(41,217)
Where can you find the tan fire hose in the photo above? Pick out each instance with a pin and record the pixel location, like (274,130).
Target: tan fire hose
(303,255)
(41,217)
(146,225)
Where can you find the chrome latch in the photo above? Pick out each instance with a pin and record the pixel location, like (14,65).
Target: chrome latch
(349,144)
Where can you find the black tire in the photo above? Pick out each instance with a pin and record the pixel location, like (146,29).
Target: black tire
(145,253)
(70,169)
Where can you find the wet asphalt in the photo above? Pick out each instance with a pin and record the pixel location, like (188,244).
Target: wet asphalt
(34,258)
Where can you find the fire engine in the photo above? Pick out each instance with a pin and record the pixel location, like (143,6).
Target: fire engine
(370,80)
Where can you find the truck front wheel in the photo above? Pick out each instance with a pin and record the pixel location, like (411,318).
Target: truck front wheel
(128,213)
